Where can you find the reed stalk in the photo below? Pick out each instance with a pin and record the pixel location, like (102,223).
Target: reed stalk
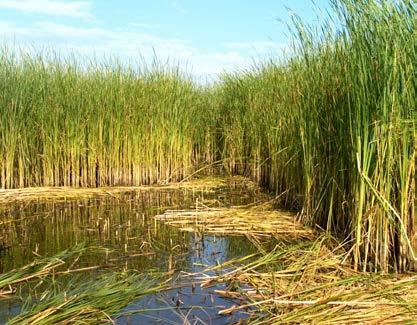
(333,128)
(98,124)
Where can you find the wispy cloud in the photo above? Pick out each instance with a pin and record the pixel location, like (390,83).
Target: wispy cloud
(125,44)
(133,45)
(144,25)
(74,9)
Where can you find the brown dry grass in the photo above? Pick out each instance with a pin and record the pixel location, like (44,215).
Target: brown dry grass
(259,221)
(312,282)
(71,193)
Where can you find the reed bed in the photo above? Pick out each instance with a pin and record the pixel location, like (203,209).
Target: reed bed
(333,128)
(93,124)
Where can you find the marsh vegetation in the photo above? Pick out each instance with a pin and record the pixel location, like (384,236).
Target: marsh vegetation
(329,133)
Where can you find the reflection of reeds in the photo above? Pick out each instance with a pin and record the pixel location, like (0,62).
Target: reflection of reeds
(123,223)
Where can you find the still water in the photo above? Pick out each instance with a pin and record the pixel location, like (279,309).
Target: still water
(132,239)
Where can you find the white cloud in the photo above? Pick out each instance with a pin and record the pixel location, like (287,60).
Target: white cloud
(133,45)
(74,9)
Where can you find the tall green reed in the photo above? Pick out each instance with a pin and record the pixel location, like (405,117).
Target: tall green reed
(334,128)
(63,123)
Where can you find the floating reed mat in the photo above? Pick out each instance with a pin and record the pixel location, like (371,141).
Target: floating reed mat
(42,267)
(259,220)
(95,298)
(96,301)
(68,193)
(309,282)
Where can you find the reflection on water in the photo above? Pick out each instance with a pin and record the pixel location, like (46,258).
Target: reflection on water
(124,225)
(191,304)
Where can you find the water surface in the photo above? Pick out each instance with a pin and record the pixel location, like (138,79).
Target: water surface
(133,239)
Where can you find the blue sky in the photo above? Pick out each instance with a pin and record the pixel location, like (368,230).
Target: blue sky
(207,37)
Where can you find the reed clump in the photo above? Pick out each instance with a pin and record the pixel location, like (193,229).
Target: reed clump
(333,128)
(63,123)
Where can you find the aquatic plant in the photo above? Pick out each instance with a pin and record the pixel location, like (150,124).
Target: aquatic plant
(95,301)
(63,123)
(42,267)
(333,128)
(48,299)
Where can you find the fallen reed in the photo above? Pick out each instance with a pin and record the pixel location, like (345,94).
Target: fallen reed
(56,290)
(61,193)
(96,301)
(238,221)
(312,282)
(42,267)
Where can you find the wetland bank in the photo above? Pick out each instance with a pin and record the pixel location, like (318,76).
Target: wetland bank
(107,214)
